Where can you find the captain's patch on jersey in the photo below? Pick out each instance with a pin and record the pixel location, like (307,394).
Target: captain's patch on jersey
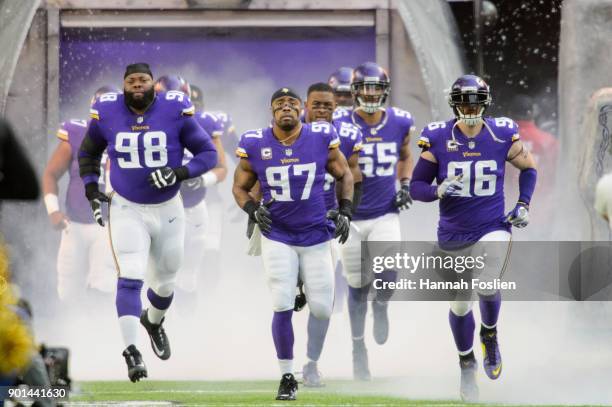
(266,153)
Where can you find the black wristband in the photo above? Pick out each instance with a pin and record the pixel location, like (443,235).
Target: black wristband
(357,193)
(91,189)
(250,207)
(346,207)
(182,173)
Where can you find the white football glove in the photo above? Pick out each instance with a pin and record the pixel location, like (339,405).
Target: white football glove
(519,216)
(451,186)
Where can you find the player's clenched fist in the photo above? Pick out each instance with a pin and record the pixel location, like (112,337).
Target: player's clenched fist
(259,214)
(451,186)
(342,219)
(162,177)
(96,198)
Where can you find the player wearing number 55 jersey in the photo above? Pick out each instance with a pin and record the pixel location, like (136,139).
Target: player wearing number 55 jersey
(290,160)
(384,158)
(467,157)
(145,135)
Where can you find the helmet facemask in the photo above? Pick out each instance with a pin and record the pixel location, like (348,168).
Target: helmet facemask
(476,100)
(370,96)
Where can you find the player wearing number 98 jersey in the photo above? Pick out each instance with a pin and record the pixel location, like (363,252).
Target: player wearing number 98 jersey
(384,158)
(290,160)
(467,157)
(145,135)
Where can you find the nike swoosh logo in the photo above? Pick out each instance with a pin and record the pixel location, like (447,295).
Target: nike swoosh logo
(172,220)
(156,349)
(496,371)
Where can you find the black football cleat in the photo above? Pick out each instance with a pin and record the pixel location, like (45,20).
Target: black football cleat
(159,339)
(287,390)
(381,321)
(136,367)
(361,368)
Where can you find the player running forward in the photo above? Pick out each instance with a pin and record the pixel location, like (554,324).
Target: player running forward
(146,135)
(384,158)
(193,192)
(290,160)
(467,157)
(340,81)
(84,259)
(320,106)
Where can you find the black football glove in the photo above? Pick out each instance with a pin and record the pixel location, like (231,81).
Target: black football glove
(259,214)
(96,198)
(300,299)
(403,200)
(162,177)
(342,219)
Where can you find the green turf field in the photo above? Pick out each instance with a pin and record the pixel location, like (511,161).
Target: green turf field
(153,393)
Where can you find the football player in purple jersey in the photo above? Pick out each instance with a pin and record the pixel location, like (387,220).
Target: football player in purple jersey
(320,106)
(340,81)
(467,156)
(84,259)
(145,135)
(290,160)
(384,159)
(193,192)
(217,208)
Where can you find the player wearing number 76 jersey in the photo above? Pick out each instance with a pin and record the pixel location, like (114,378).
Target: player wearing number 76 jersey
(290,161)
(467,157)
(145,135)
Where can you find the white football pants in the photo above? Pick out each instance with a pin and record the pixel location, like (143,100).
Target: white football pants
(495,263)
(385,228)
(283,264)
(141,233)
(196,229)
(84,260)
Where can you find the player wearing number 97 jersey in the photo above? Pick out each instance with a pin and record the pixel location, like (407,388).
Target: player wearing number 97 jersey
(290,160)
(467,157)
(145,135)
(384,158)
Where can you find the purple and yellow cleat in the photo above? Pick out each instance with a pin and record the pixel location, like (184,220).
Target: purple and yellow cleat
(490,350)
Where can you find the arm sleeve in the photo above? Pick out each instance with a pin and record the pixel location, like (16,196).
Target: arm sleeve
(423,175)
(90,153)
(199,143)
(17,176)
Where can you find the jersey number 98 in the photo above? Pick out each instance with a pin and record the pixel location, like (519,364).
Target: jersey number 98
(153,144)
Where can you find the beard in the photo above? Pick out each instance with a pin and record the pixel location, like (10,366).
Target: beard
(287,126)
(141,103)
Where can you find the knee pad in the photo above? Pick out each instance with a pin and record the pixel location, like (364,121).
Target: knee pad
(461,308)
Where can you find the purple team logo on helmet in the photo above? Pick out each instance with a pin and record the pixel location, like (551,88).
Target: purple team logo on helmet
(469,97)
(370,87)
(172,82)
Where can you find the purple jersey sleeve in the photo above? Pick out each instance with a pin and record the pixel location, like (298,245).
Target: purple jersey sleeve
(199,143)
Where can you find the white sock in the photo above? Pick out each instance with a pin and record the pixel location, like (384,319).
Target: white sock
(286,366)
(467,352)
(129,326)
(155,315)
(489,327)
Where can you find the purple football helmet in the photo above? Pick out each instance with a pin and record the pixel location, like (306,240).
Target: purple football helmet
(340,81)
(370,87)
(102,90)
(172,82)
(469,91)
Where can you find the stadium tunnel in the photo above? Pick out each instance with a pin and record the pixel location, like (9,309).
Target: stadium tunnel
(59,51)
